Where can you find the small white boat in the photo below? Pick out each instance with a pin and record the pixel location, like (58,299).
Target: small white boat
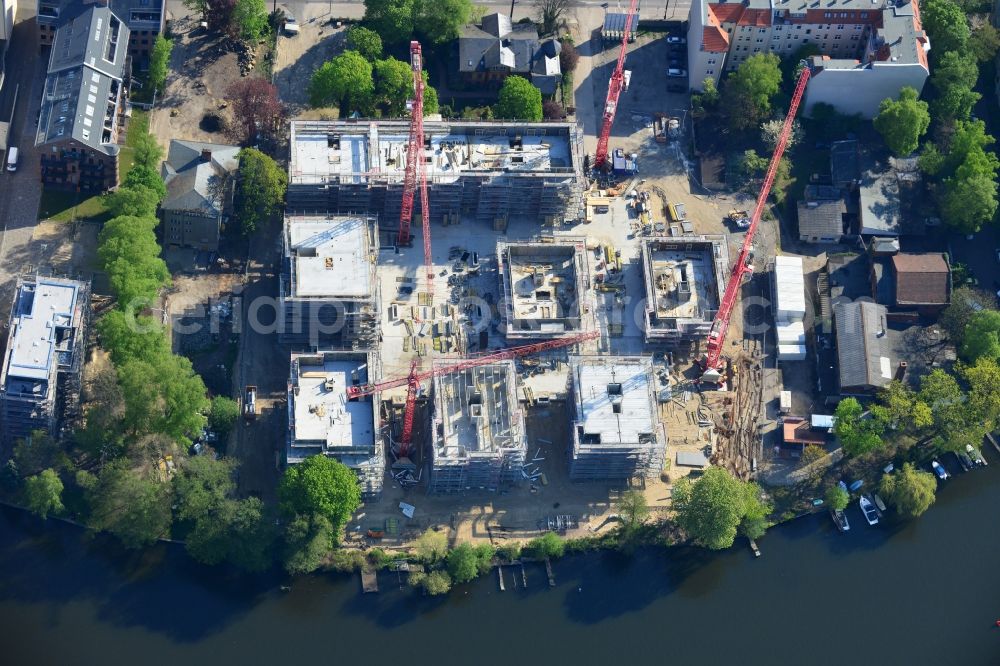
(867,508)
(939,470)
(976,456)
(879,503)
(840,520)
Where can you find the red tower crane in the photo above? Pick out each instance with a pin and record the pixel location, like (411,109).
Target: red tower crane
(415,167)
(744,263)
(614,91)
(413,379)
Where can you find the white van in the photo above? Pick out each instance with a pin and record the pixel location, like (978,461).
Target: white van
(12,159)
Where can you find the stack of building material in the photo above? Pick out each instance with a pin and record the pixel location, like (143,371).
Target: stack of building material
(790,308)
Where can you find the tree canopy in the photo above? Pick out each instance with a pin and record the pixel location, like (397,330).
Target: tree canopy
(945,24)
(130,256)
(257,111)
(748,91)
(857,432)
(133,507)
(837,498)
(955,423)
(345,82)
(249,18)
(159,59)
(519,100)
(903,121)
(910,490)
(320,485)
(365,41)
(432,546)
(549,544)
(223,414)
(163,394)
(261,189)
(43,493)
(308,540)
(954,77)
(462,563)
(632,509)
(441,20)
(391,19)
(393,84)
(711,509)
(965,302)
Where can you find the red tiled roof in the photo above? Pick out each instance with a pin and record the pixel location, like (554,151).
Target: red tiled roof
(715,40)
(921,278)
(728,12)
(756,17)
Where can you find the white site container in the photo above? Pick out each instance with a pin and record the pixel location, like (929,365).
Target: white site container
(789,289)
(791,333)
(785,402)
(791,352)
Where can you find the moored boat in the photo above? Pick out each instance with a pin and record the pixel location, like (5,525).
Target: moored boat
(869,510)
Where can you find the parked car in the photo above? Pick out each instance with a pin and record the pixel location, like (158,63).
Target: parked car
(673,71)
(676,39)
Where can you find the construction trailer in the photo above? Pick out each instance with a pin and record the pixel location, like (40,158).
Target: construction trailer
(616,432)
(683,278)
(493,171)
(322,421)
(544,287)
(328,290)
(477,434)
(40,379)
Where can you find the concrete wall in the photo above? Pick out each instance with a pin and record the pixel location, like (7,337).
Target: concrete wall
(868,87)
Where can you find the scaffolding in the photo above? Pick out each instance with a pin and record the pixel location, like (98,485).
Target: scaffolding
(321,421)
(40,379)
(478,430)
(491,171)
(328,290)
(616,433)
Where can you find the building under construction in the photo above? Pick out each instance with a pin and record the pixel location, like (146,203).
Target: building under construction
(40,376)
(616,433)
(543,287)
(488,170)
(321,420)
(329,294)
(684,280)
(478,438)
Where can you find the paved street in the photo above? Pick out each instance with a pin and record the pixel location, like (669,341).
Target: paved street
(20,191)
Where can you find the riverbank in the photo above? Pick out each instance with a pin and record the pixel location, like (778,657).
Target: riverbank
(918,592)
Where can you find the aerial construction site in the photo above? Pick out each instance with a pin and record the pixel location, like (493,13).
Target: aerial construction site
(543,350)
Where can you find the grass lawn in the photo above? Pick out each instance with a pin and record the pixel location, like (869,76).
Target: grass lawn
(63,206)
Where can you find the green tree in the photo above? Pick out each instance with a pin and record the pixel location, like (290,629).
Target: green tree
(250,19)
(202,485)
(163,395)
(954,78)
(430,99)
(441,20)
(432,546)
(910,490)
(37,452)
(955,422)
(147,177)
(308,541)
(812,453)
(223,414)
(984,42)
(551,14)
(900,409)
(261,189)
(968,200)
(858,433)
(633,509)
(519,100)
(902,122)
(462,564)
(392,19)
(712,509)
(235,531)
(135,201)
(159,59)
(129,255)
(945,24)
(983,380)
(965,302)
(837,498)
(43,493)
(393,84)
(127,336)
(364,41)
(323,486)
(345,82)
(126,503)
(147,152)
(549,545)
(748,91)
(433,583)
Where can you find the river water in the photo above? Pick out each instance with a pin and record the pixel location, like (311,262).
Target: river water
(923,592)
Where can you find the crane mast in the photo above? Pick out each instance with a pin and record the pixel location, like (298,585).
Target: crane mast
(744,263)
(416,169)
(413,379)
(614,91)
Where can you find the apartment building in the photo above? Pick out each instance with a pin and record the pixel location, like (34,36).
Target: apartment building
(145,20)
(871,47)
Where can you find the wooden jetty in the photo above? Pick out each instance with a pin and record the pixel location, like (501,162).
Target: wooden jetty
(503,588)
(369,581)
(548,571)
